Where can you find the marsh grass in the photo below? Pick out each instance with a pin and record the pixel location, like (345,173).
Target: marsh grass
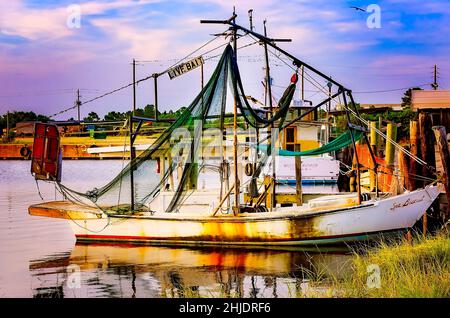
(407,269)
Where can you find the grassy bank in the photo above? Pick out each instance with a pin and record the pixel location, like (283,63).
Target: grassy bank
(417,269)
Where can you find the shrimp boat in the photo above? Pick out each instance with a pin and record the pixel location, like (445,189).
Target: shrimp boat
(158,197)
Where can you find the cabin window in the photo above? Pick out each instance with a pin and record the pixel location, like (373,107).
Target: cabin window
(290,138)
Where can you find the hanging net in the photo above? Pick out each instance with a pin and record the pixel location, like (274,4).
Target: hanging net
(180,146)
(340,142)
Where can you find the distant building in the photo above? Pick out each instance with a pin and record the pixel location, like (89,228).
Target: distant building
(24,128)
(394,107)
(434,102)
(375,107)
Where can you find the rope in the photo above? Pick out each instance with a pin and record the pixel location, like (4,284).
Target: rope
(39,190)
(309,78)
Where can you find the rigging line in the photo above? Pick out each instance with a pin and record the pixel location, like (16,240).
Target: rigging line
(314,94)
(320,87)
(297,89)
(394,172)
(295,70)
(193,52)
(239,48)
(398,146)
(39,190)
(360,92)
(379,132)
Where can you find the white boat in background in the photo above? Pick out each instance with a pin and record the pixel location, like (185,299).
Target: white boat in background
(315,170)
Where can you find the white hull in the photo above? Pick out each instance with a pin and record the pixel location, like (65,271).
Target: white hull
(321,222)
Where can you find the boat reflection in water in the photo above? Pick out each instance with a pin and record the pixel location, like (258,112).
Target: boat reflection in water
(103,270)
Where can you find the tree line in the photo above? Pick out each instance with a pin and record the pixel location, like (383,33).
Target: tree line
(148,111)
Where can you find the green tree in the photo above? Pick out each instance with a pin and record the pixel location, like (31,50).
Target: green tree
(92,116)
(115,116)
(406,99)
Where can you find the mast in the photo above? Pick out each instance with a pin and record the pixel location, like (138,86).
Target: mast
(133,113)
(327,126)
(303,83)
(132,155)
(272,126)
(155,76)
(134,87)
(235,139)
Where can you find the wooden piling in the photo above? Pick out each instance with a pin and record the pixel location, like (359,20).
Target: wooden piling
(427,153)
(298,176)
(391,134)
(373,136)
(380,125)
(414,149)
(426,144)
(373,145)
(404,171)
(390,149)
(441,140)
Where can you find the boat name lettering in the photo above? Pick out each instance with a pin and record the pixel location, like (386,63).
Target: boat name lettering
(410,201)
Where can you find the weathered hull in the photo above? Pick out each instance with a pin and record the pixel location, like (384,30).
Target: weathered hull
(284,227)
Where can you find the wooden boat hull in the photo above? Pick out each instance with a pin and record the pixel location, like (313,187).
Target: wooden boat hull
(285,227)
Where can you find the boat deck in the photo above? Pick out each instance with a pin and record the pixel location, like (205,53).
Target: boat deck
(74,211)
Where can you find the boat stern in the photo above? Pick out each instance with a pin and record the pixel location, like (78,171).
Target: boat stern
(65,210)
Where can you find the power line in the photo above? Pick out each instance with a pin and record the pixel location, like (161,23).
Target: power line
(390,90)
(146,78)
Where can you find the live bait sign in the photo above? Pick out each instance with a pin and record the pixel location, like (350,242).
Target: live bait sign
(182,68)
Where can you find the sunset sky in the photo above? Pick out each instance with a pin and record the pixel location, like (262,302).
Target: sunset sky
(43,61)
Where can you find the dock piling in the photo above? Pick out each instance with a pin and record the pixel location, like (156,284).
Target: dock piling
(298,176)
(441,140)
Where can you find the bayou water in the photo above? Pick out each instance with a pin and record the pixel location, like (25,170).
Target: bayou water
(39,257)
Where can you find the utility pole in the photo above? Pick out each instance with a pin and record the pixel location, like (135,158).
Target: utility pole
(269,97)
(435,85)
(78,103)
